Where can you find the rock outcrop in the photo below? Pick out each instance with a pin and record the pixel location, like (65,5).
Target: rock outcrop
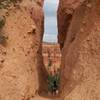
(79,36)
(19,57)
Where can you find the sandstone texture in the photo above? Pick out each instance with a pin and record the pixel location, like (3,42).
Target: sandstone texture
(19,69)
(22,72)
(79,31)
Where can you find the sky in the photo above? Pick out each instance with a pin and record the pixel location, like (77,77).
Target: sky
(50,10)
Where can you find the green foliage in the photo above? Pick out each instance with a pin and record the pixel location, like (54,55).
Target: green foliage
(15,1)
(50,63)
(3,39)
(4,4)
(53,82)
(2,22)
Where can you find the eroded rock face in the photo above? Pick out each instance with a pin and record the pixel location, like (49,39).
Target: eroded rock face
(80,78)
(19,78)
(65,13)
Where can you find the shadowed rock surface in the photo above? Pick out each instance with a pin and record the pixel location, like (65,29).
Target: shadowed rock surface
(80,78)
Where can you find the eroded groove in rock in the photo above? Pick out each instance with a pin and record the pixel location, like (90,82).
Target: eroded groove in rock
(80,78)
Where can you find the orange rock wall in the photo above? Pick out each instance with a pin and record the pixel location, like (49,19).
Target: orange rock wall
(19,75)
(80,74)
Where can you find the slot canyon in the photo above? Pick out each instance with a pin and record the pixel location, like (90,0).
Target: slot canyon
(23,75)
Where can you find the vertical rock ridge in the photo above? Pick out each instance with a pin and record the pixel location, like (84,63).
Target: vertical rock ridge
(24,27)
(80,75)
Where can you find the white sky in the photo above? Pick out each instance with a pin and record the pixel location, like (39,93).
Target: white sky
(50,10)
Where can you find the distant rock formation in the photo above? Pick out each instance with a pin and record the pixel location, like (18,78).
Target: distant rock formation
(51,53)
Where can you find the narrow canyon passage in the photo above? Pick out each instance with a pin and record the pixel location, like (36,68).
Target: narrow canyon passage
(50,47)
(49,54)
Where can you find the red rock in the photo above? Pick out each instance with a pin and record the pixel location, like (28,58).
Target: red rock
(80,74)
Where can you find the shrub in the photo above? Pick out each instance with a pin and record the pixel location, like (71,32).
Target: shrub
(4,4)
(15,1)
(2,39)
(2,22)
